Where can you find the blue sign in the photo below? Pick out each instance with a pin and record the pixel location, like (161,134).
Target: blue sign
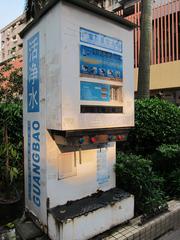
(29,159)
(36,163)
(100,64)
(91,91)
(33,74)
(101,40)
(34,160)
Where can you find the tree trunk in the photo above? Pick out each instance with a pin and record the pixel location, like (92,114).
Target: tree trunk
(145,49)
(7,154)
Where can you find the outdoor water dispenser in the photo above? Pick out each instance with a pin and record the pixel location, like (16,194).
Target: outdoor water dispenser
(78,101)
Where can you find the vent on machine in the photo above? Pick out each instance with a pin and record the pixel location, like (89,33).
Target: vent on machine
(100,109)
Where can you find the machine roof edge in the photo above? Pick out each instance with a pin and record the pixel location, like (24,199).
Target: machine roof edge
(80,3)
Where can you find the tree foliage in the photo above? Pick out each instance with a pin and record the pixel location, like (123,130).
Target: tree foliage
(11,151)
(11,87)
(11,155)
(34,7)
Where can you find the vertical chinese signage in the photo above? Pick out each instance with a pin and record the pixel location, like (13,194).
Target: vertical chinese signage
(33,125)
(33,74)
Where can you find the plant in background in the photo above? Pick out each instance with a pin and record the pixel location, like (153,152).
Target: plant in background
(173,183)
(166,158)
(166,162)
(135,175)
(156,122)
(11,87)
(11,157)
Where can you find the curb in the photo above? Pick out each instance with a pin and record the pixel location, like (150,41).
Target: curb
(153,229)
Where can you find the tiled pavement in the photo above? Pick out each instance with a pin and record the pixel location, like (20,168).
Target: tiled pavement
(153,229)
(173,235)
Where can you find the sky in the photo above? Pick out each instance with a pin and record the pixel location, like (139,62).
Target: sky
(10,10)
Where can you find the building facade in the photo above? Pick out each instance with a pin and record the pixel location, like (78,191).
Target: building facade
(165,47)
(11,43)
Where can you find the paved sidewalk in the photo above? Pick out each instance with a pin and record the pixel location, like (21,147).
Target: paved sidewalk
(173,235)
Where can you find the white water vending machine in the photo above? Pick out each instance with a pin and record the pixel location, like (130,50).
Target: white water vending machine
(78,101)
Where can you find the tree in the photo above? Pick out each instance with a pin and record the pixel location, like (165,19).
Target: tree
(11,156)
(145,49)
(11,86)
(34,7)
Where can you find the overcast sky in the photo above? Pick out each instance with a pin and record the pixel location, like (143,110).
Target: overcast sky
(9,10)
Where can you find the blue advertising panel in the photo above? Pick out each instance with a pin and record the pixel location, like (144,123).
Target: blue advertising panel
(101,40)
(33,74)
(95,91)
(100,64)
(29,159)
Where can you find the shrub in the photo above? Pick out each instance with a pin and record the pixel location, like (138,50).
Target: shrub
(166,162)
(173,183)
(156,122)
(166,158)
(135,175)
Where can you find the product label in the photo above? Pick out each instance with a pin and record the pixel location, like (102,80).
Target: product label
(91,91)
(102,167)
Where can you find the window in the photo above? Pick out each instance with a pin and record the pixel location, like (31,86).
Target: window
(20,46)
(14,38)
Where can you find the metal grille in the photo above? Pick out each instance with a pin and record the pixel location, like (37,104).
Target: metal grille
(165,45)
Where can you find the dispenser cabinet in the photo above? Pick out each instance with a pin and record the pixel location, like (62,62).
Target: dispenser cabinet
(78,101)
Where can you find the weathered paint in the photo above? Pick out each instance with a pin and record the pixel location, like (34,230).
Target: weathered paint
(59,109)
(63,50)
(84,182)
(94,223)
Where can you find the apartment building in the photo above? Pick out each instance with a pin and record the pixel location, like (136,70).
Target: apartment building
(11,43)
